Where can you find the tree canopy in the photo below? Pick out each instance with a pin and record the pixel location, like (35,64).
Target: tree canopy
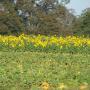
(35,17)
(82,25)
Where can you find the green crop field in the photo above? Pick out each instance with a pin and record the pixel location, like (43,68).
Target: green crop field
(30,70)
(44,45)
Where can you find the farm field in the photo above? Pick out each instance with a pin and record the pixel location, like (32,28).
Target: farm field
(44,45)
(44,71)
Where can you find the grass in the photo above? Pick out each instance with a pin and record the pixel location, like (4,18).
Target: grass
(28,70)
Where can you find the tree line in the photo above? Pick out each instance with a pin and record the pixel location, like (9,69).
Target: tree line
(48,17)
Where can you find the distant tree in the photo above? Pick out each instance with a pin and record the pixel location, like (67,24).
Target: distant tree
(45,16)
(82,25)
(10,22)
(36,17)
(57,21)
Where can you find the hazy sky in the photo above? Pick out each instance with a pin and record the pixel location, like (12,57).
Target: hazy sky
(79,5)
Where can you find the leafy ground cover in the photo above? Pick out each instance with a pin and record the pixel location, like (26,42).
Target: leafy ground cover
(44,71)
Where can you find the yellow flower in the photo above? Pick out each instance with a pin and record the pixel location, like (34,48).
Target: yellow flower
(62,86)
(84,86)
(44,41)
(45,86)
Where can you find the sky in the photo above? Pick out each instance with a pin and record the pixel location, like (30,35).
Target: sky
(78,5)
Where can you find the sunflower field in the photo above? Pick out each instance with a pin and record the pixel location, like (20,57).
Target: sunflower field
(45,43)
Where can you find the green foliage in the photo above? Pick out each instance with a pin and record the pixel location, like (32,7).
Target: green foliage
(10,24)
(82,26)
(49,49)
(28,70)
(9,21)
(47,17)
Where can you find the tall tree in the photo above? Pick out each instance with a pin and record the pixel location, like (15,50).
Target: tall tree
(82,25)
(37,16)
(10,22)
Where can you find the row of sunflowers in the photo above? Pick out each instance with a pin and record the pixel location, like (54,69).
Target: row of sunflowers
(41,41)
